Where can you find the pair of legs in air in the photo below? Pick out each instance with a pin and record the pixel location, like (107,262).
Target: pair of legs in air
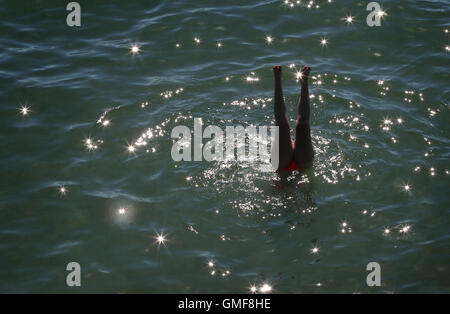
(302,151)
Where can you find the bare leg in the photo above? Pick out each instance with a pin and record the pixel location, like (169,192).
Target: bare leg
(303,151)
(286,153)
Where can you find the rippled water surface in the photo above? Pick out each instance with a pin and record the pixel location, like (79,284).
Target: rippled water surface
(86,167)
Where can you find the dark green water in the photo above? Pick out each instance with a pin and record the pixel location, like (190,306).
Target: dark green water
(380,126)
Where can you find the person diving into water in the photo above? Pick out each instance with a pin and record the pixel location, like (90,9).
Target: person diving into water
(300,155)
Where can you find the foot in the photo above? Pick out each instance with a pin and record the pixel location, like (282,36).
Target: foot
(277,71)
(305,74)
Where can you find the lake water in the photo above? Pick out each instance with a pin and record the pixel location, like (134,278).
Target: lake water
(108,195)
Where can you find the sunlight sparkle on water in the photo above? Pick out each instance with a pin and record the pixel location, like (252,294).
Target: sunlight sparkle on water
(160,239)
(345,227)
(135,49)
(265,288)
(349,19)
(122,211)
(386,124)
(89,143)
(298,75)
(252,78)
(432,171)
(62,190)
(405,229)
(324,42)
(131,148)
(24,110)
(269,39)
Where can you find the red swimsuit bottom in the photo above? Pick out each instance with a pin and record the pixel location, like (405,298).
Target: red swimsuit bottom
(292,166)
